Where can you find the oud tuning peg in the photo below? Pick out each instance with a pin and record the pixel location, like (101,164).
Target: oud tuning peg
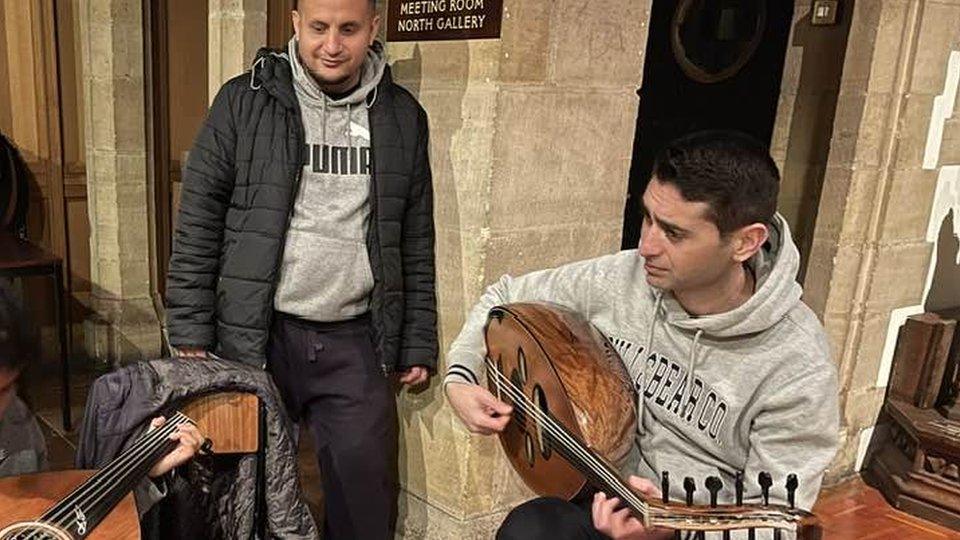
(665,494)
(738,487)
(665,486)
(765,481)
(689,486)
(792,485)
(714,485)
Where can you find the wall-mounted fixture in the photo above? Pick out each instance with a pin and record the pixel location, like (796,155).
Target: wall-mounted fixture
(824,12)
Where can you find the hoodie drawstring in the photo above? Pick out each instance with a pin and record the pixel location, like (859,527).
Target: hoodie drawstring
(642,377)
(253,71)
(691,366)
(646,353)
(323,123)
(349,131)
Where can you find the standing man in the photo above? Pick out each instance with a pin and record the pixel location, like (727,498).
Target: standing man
(305,245)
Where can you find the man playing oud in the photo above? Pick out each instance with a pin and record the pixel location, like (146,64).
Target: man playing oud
(733,370)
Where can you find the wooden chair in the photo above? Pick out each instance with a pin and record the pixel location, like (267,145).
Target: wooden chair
(234,423)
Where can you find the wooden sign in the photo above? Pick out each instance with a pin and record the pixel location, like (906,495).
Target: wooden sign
(433,20)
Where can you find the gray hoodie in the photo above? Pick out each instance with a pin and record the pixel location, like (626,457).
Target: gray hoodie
(752,389)
(325,274)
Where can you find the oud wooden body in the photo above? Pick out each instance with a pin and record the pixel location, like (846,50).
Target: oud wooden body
(228,419)
(24,498)
(566,356)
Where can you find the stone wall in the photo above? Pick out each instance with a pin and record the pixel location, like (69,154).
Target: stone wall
(531,138)
(237,28)
(871,250)
(808,99)
(126,326)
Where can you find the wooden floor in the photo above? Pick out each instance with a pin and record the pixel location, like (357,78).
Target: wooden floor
(856,510)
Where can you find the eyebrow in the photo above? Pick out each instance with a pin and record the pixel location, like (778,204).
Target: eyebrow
(319,22)
(664,224)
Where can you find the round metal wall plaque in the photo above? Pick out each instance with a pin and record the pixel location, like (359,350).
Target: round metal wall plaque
(713,39)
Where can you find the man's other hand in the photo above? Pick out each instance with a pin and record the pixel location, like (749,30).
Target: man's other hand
(189,439)
(414,376)
(620,524)
(478,409)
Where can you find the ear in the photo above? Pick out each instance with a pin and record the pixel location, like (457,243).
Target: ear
(748,240)
(295,17)
(374,29)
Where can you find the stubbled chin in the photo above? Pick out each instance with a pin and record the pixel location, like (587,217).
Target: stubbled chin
(328,79)
(655,281)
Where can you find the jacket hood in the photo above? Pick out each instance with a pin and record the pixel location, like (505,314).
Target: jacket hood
(371,71)
(777,291)
(273,71)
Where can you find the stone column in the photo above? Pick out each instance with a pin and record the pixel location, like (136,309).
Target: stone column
(808,101)
(237,29)
(871,247)
(531,140)
(112,50)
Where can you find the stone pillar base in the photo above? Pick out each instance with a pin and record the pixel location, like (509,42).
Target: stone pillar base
(419,519)
(123,331)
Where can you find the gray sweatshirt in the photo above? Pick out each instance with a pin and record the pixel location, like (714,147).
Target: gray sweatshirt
(325,274)
(752,389)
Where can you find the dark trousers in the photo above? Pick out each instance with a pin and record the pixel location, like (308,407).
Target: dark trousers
(328,374)
(549,518)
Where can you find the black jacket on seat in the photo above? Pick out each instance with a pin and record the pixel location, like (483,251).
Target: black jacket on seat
(121,403)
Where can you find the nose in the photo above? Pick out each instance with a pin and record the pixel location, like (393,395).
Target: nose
(333,44)
(651,241)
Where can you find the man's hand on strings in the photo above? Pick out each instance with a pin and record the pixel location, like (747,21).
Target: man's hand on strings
(189,439)
(478,409)
(620,524)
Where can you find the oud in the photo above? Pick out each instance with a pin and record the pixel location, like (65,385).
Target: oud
(575,415)
(86,504)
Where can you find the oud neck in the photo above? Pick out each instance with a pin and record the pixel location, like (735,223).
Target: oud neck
(600,473)
(82,510)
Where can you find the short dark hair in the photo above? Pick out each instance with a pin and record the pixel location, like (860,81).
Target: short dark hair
(730,171)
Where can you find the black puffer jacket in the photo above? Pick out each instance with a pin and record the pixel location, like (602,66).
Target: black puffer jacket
(239,187)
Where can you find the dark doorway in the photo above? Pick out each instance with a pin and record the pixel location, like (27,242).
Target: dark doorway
(709,64)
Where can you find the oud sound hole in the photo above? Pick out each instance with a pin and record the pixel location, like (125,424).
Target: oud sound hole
(522,363)
(518,413)
(34,530)
(528,449)
(540,399)
(499,384)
